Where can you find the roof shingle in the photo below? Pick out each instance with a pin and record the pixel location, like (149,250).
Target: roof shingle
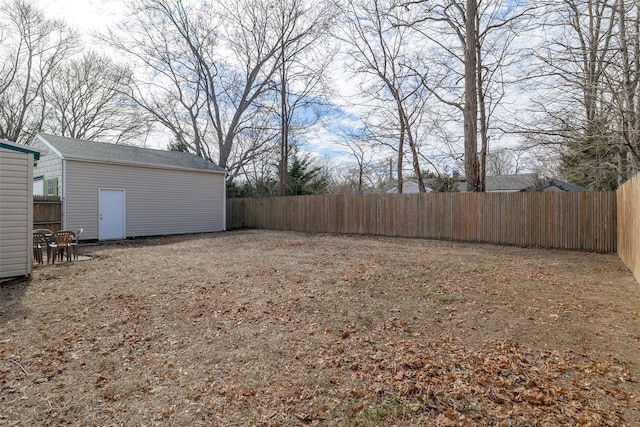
(78,149)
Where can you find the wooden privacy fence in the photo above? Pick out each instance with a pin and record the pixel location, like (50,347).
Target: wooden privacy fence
(629,224)
(582,221)
(47,212)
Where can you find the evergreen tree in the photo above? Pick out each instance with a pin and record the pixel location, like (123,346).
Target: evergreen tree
(264,187)
(591,163)
(178,145)
(304,178)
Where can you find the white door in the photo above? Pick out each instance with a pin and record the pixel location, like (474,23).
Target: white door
(111,214)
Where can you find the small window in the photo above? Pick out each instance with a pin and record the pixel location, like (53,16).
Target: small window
(50,187)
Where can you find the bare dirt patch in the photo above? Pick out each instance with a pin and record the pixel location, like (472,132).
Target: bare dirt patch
(272,328)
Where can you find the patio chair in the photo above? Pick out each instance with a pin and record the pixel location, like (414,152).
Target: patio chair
(74,243)
(60,243)
(39,243)
(47,233)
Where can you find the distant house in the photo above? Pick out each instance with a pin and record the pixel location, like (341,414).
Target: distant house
(409,186)
(16,209)
(553,184)
(116,191)
(523,182)
(508,183)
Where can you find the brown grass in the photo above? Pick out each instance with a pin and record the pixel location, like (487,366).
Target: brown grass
(272,328)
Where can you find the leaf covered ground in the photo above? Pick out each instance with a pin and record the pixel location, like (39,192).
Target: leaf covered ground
(284,329)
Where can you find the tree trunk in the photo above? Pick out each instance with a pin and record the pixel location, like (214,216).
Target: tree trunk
(484,121)
(471,168)
(400,158)
(416,161)
(284,128)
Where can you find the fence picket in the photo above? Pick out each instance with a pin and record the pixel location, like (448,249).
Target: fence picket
(47,212)
(583,221)
(628,224)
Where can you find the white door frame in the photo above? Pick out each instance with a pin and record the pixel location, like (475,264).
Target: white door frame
(101,229)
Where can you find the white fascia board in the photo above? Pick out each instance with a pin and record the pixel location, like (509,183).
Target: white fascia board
(51,147)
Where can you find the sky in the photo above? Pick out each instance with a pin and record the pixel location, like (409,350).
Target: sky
(96,15)
(85,15)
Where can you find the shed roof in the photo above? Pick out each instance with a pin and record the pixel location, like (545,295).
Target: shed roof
(79,149)
(19,147)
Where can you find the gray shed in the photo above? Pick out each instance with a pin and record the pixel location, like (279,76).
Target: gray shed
(16,209)
(118,191)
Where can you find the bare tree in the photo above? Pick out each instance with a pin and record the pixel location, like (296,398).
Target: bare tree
(469,39)
(475,42)
(623,80)
(303,66)
(207,71)
(32,47)
(378,48)
(506,161)
(581,49)
(358,145)
(89,98)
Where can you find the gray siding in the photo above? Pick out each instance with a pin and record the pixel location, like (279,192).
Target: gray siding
(158,200)
(16,213)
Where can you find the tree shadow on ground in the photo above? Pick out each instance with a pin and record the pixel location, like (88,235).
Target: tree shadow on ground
(11,294)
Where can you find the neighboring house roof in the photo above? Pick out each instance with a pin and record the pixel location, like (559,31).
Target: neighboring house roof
(19,147)
(522,182)
(79,149)
(409,186)
(505,183)
(510,182)
(552,182)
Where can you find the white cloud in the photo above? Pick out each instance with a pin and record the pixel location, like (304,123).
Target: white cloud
(84,15)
